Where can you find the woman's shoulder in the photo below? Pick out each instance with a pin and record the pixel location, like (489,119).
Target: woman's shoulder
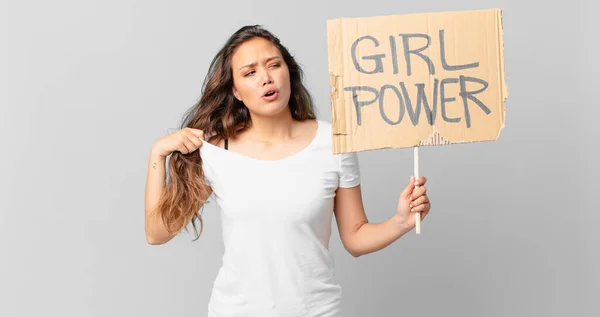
(324,124)
(324,127)
(211,145)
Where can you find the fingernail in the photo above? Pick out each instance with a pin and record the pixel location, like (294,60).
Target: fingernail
(412,210)
(410,205)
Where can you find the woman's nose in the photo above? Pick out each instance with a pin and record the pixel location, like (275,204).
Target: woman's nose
(266,79)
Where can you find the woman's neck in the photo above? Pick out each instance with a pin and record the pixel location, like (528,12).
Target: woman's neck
(272,130)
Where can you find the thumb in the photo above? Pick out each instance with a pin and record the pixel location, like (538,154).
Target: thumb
(409,188)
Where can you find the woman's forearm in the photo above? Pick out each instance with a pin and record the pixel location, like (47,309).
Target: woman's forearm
(156,231)
(371,237)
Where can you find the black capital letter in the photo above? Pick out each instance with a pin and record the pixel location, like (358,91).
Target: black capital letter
(443,99)
(443,55)
(377,58)
(383,115)
(407,52)
(469,95)
(358,103)
(422,97)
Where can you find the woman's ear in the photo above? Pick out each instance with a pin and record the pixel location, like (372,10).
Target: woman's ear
(236,94)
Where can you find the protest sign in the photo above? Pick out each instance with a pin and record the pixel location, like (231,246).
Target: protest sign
(417,79)
(414,80)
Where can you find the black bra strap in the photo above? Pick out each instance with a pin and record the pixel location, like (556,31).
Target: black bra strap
(226,144)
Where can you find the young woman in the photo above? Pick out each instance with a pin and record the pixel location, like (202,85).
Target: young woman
(253,143)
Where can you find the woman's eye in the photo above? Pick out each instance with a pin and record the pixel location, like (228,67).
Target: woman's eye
(249,73)
(275,65)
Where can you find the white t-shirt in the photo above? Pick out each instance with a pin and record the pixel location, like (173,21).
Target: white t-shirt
(276,220)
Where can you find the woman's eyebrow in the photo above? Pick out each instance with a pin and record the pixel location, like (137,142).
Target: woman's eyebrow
(254,63)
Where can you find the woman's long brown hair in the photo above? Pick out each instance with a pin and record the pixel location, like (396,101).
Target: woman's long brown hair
(220,115)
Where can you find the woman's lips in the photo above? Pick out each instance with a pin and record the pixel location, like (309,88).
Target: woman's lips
(271,97)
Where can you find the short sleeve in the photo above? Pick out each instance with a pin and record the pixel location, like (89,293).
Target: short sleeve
(349,170)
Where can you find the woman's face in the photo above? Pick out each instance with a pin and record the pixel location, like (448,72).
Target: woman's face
(261,79)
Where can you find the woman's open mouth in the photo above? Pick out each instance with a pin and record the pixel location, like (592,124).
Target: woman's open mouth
(271,95)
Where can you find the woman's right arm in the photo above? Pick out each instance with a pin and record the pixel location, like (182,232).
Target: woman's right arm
(186,141)
(156,231)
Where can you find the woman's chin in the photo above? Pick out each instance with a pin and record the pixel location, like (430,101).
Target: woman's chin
(273,110)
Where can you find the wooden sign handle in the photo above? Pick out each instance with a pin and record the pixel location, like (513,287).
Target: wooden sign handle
(417,214)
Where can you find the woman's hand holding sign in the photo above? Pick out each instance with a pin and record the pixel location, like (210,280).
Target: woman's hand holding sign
(413,200)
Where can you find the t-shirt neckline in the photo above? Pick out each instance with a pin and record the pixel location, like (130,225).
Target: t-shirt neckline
(287,158)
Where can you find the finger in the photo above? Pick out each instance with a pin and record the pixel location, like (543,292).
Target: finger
(419,201)
(409,188)
(418,192)
(197,132)
(421,181)
(188,147)
(195,140)
(421,208)
(426,208)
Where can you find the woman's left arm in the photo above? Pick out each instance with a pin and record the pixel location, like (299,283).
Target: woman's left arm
(359,236)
